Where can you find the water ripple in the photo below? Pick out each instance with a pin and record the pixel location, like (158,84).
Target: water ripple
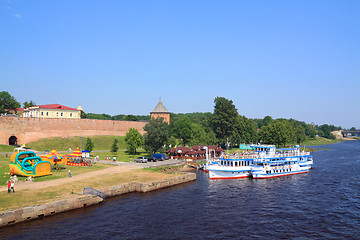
(321,204)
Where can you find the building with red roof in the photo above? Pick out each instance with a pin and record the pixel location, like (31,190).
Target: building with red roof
(196,152)
(51,111)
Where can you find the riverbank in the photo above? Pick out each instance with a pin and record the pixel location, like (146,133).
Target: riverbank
(30,194)
(34,212)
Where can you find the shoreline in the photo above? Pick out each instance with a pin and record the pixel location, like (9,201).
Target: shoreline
(11,217)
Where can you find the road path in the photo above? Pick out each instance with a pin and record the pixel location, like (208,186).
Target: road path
(119,167)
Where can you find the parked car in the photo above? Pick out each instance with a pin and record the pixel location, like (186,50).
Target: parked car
(141,160)
(160,156)
(152,159)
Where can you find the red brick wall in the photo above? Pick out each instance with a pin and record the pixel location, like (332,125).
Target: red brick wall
(165,116)
(31,129)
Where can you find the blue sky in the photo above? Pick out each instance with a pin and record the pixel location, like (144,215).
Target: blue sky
(291,59)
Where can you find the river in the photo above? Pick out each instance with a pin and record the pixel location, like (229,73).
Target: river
(321,204)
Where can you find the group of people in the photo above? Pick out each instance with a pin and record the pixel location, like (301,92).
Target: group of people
(10,185)
(109,159)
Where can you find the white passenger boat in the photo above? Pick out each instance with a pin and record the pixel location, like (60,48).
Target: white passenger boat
(230,168)
(233,166)
(265,161)
(274,162)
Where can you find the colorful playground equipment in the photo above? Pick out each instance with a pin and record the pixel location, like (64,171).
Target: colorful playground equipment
(55,158)
(29,165)
(75,159)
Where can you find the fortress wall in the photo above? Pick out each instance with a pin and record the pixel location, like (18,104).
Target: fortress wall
(31,129)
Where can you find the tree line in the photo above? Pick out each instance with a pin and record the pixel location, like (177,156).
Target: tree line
(225,126)
(119,117)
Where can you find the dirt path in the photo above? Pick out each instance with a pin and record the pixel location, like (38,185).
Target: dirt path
(57,182)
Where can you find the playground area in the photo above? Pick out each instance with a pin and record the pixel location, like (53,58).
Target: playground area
(65,187)
(59,186)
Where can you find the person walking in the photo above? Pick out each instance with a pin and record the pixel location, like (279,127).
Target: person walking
(9,186)
(69,173)
(130,159)
(12,186)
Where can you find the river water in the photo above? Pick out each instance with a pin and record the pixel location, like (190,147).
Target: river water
(321,204)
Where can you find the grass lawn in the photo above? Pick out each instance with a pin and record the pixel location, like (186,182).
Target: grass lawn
(63,144)
(6,148)
(169,169)
(121,156)
(68,190)
(320,141)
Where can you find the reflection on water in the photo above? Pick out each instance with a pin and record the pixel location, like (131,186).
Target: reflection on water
(321,204)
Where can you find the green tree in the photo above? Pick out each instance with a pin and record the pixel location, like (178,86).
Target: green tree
(156,134)
(131,118)
(325,131)
(98,116)
(83,114)
(223,119)
(89,145)
(300,134)
(274,133)
(173,141)
(7,103)
(182,129)
(352,129)
(244,131)
(27,104)
(266,121)
(202,136)
(289,130)
(114,146)
(133,140)
(199,135)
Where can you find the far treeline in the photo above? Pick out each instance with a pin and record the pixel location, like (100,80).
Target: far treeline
(222,127)
(225,126)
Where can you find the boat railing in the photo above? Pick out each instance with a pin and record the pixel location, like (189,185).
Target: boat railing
(257,155)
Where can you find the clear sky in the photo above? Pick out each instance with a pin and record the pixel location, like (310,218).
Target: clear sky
(292,59)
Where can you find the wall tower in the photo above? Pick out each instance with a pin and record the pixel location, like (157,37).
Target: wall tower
(161,111)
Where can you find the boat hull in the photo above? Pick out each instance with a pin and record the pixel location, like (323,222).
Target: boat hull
(274,175)
(278,171)
(228,174)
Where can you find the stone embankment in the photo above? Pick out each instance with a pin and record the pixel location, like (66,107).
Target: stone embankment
(29,213)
